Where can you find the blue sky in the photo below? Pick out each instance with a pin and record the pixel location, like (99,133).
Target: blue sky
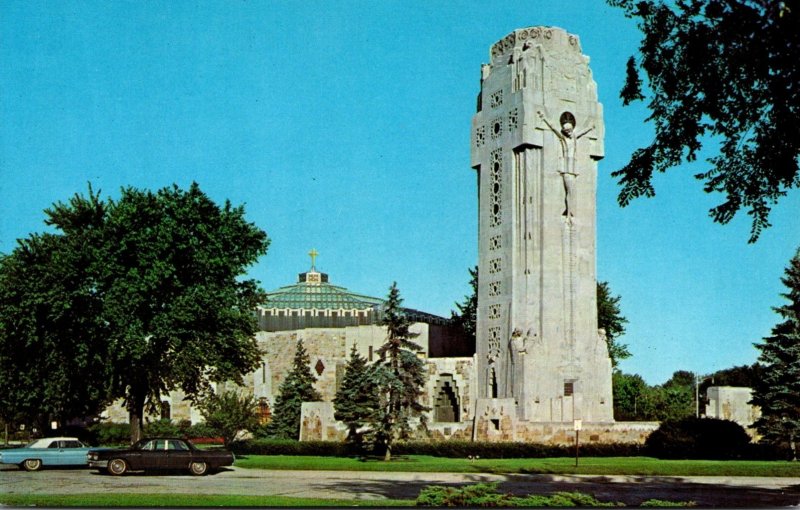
(344,126)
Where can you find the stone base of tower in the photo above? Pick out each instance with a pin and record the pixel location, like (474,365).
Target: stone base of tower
(496,420)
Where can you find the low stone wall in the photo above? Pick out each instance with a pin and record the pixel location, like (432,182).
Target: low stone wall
(604,433)
(494,423)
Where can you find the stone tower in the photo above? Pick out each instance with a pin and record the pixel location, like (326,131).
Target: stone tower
(536,139)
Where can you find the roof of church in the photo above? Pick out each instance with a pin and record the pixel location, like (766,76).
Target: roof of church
(313,292)
(320,296)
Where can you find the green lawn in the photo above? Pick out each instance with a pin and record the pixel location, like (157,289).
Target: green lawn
(182,500)
(645,466)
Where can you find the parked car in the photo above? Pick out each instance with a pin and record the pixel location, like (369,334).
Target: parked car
(48,451)
(160,454)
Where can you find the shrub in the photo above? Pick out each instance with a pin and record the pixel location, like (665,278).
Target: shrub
(291,447)
(486,495)
(110,433)
(660,503)
(200,430)
(161,428)
(511,450)
(698,438)
(448,449)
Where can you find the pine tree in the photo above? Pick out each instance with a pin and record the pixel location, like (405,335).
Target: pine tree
(298,387)
(357,397)
(466,317)
(610,319)
(400,375)
(777,391)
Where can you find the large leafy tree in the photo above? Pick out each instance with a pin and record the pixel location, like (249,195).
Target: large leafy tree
(721,70)
(161,275)
(357,397)
(777,391)
(53,347)
(399,374)
(298,387)
(632,399)
(610,319)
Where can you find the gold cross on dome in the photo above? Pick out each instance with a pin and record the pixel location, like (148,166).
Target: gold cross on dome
(313,254)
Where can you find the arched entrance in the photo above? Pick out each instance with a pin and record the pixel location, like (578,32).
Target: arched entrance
(446,405)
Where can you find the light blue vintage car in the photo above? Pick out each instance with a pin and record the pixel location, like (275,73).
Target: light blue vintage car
(48,451)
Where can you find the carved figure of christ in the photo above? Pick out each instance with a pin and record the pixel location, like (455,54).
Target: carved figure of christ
(569,148)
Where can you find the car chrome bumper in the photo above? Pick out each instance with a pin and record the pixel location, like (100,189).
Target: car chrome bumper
(98,464)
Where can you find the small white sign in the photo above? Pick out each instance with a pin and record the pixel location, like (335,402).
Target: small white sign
(577,424)
(54,425)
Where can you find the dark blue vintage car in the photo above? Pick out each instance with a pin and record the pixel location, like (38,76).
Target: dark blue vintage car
(160,454)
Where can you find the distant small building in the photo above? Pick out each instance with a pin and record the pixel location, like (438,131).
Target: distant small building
(733,403)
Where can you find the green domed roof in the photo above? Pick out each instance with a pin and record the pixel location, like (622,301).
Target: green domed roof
(313,292)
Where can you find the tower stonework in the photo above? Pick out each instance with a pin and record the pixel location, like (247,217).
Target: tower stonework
(536,139)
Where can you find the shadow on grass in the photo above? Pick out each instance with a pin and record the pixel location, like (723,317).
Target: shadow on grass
(632,491)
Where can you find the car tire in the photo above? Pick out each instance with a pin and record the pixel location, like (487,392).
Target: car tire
(117,467)
(32,464)
(198,468)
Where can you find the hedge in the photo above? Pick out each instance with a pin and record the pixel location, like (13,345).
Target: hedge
(451,449)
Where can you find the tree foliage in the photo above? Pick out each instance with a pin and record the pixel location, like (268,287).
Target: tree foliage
(52,335)
(635,400)
(721,70)
(777,391)
(298,387)
(399,374)
(153,286)
(467,315)
(357,397)
(610,319)
(229,412)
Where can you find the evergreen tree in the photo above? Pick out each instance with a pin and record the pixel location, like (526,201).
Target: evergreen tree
(609,318)
(777,391)
(357,397)
(298,387)
(399,374)
(467,314)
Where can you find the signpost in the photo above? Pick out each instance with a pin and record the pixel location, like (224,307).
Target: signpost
(577,426)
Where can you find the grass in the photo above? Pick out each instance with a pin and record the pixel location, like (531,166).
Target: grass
(633,466)
(184,500)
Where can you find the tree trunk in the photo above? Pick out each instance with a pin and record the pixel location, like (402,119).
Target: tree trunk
(136,415)
(388,455)
(793,446)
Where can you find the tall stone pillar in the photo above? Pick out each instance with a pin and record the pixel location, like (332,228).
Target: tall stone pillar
(536,140)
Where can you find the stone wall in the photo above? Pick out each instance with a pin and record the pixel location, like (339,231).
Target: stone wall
(733,403)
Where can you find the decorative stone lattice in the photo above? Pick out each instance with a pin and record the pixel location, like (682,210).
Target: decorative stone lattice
(497,128)
(494,343)
(480,136)
(495,266)
(496,99)
(513,119)
(494,289)
(494,243)
(494,312)
(496,188)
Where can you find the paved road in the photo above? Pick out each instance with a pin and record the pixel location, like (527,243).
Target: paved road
(706,491)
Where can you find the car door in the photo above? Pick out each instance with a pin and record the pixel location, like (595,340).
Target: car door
(178,454)
(53,454)
(72,452)
(149,456)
